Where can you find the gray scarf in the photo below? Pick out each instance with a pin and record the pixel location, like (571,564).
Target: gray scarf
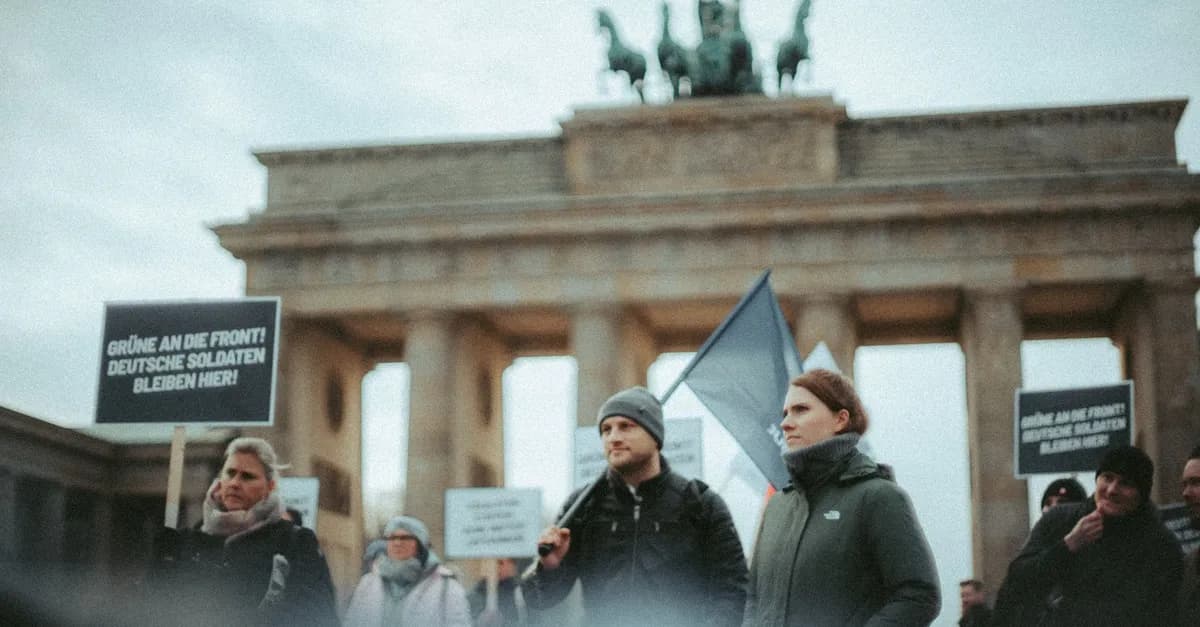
(233,525)
(812,466)
(399,578)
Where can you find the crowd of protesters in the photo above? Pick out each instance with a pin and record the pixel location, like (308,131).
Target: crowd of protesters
(840,545)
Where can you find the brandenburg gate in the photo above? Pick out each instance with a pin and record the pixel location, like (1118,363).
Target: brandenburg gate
(636,229)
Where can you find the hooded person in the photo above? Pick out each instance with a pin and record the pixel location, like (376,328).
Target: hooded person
(245,564)
(1064,490)
(1108,560)
(408,585)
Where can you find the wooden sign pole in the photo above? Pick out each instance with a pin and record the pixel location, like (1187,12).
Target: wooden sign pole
(490,602)
(175,477)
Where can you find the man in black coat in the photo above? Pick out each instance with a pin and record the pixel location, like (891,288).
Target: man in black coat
(649,546)
(1189,594)
(974,608)
(1106,561)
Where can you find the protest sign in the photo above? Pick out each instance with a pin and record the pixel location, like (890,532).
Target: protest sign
(492,522)
(682,447)
(300,494)
(1065,431)
(1178,519)
(210,362)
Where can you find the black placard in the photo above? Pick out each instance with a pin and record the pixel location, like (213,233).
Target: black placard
(190,362)
(1066,431)
(1178,519)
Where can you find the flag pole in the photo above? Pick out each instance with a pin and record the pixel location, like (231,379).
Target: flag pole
(712,339)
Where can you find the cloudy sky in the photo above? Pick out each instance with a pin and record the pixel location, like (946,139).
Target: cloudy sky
(126,128)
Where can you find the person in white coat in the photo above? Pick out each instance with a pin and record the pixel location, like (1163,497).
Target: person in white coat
(408,585)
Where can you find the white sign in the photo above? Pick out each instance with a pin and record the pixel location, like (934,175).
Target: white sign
(492,522)
(300,494)
(682,447)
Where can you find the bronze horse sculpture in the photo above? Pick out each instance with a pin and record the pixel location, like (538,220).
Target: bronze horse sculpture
(673,58)
(620,57)
(722,64)
(794,49)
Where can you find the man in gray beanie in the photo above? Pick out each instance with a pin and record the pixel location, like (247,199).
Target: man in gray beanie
(647,544)
(638,405)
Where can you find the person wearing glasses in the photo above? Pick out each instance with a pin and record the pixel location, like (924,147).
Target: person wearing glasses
(408,585)
(245,564)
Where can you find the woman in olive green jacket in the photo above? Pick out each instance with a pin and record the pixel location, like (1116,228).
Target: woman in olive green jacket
(841,545)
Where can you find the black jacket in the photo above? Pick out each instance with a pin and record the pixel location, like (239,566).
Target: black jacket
(669,556)
(197,579)
(1130,576)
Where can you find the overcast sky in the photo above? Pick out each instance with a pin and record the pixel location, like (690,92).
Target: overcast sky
(126,128)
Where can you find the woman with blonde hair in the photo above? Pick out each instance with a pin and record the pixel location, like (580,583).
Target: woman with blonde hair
(245,564)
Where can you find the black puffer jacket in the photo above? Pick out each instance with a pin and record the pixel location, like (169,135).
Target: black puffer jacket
(1130,576)
(198,579)
(669,556)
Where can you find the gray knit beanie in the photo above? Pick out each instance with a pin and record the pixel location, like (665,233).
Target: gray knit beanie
(413,526)
(638,405)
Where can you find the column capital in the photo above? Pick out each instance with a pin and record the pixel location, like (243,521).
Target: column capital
(1186,284)
(992,292)
(829,298)
(598,308)
(418,316)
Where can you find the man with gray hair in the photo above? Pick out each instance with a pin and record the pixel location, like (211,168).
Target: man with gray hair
(648,545)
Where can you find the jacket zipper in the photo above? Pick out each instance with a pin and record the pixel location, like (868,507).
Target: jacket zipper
(637,512)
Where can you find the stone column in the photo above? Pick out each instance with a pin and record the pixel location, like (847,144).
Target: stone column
(1161,358)
(429,353)
(53,528)
(480,359)
(295,397)
(9,533)
(991,338)
(827,318)
(638,350)
(102,527)
(595,342)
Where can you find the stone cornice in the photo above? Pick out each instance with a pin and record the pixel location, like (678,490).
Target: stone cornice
(272,158)
(1169,110)
(703,112)
(593,216)
(14,425)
